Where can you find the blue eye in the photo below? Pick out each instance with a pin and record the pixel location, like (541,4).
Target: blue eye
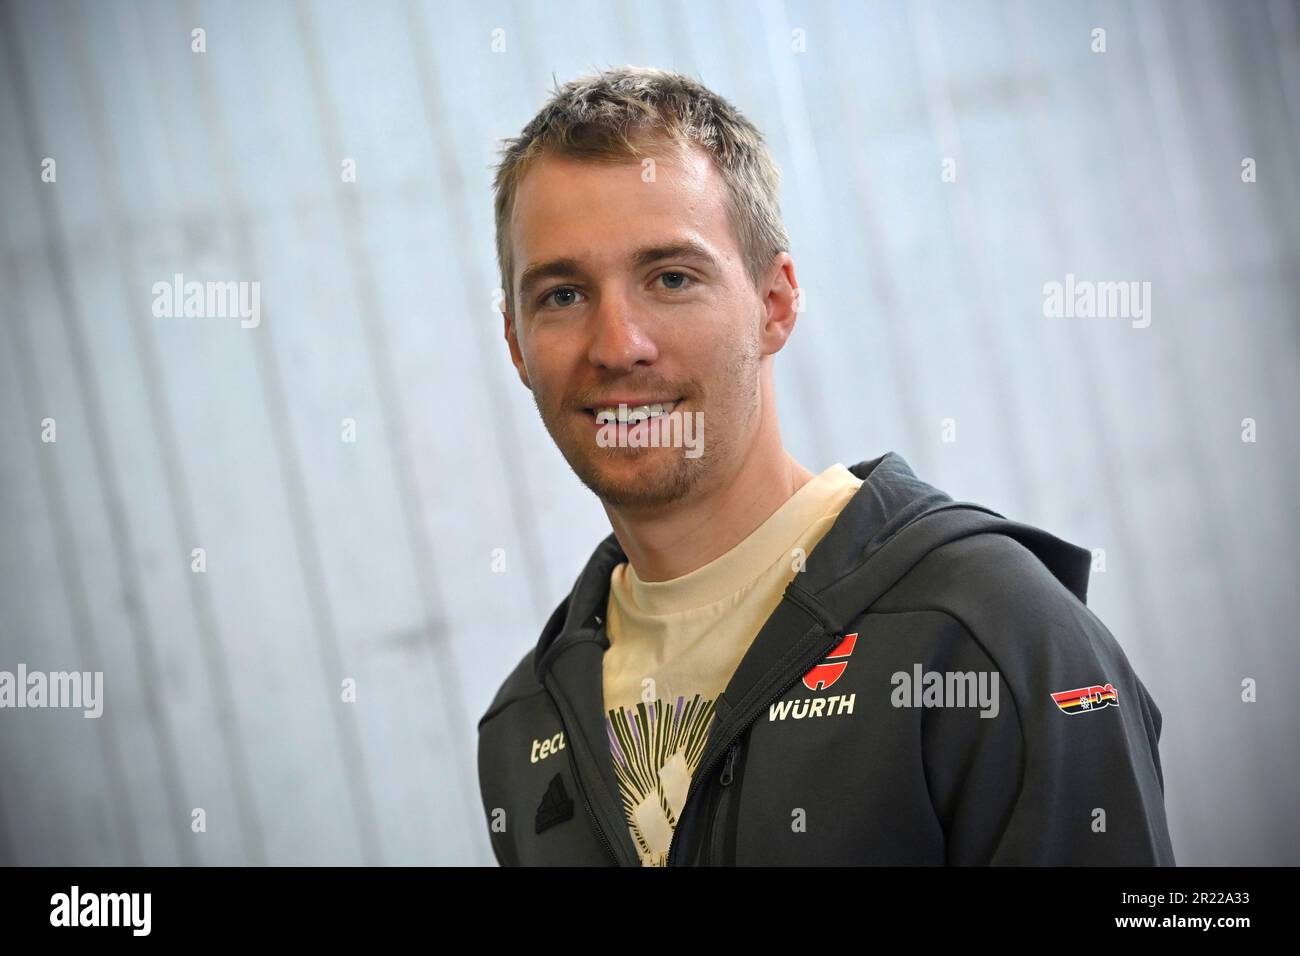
(562,290)
(548,300)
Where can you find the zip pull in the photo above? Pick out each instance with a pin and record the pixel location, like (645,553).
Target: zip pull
(727,766)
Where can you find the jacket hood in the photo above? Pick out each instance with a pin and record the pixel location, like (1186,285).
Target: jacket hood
(860,557)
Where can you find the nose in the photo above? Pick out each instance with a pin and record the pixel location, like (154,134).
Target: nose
(619,340)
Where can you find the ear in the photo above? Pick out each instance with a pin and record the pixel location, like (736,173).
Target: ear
(516,356)
(782,304)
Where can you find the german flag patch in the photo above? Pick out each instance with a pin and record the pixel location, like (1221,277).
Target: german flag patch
(1086,699)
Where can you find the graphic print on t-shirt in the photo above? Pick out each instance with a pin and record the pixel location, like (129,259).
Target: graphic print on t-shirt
(656,749)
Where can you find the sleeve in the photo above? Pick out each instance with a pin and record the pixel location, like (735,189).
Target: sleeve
(489,773)
(1068,771)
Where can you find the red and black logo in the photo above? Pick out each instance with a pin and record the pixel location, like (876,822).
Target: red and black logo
(828,671)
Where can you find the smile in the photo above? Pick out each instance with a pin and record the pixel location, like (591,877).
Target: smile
(627,413)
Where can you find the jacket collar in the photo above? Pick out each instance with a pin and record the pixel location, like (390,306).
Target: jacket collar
(890,496)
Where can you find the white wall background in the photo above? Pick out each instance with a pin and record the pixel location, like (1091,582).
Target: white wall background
(372,561)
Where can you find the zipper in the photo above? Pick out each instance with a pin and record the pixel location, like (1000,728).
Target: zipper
(727,768)
(717,826)
(577,780)
(734,739)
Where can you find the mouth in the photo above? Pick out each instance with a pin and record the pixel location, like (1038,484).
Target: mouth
(631,413)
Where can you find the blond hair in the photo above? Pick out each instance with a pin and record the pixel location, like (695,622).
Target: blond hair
(605,117)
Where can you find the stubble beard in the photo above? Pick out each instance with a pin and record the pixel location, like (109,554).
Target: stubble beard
(649,479)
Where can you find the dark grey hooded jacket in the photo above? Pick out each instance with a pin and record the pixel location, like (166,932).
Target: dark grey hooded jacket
(932,689)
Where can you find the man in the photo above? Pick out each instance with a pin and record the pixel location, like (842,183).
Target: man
(763,665)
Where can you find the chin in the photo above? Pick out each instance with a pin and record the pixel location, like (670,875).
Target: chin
(638,478)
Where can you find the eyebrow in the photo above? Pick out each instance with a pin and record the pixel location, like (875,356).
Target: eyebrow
(685,249)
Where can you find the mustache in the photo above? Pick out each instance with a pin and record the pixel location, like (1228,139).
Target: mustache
(589,398)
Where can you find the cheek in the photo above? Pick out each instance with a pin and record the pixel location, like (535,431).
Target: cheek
(539,362)
(552,371)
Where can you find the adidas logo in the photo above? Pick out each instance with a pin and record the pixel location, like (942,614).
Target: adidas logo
(556,805)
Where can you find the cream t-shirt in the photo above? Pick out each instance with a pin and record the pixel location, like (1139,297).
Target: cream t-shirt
(674,646)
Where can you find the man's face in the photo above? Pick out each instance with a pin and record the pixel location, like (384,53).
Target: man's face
(614,324)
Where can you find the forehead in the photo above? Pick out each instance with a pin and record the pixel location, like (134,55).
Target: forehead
(597,212)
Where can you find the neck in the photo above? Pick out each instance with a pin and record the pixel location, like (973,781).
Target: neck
(668,544)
